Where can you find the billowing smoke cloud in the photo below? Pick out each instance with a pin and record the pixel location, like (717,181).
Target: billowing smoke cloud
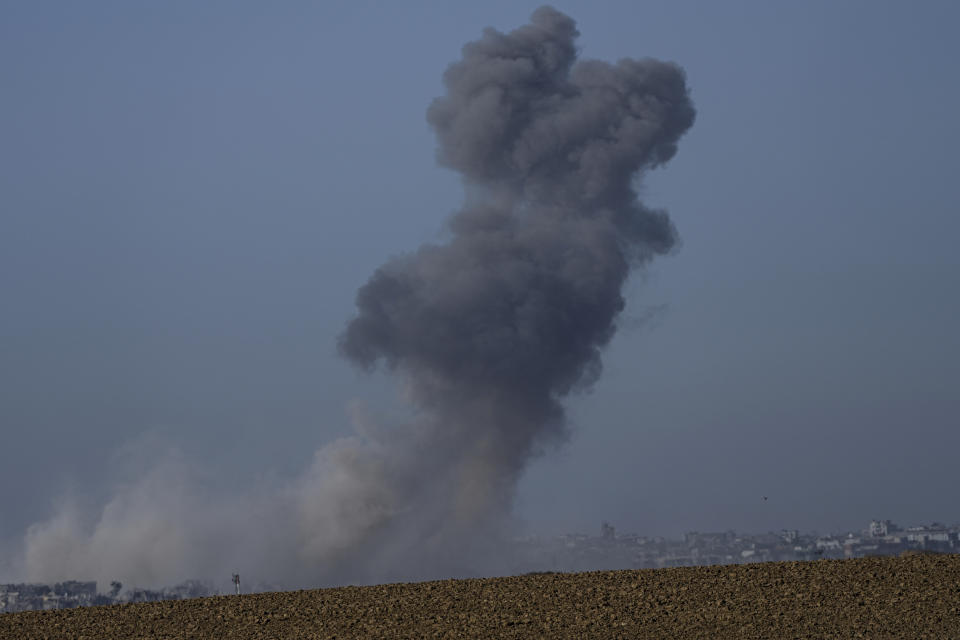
(490,330)
(487,333)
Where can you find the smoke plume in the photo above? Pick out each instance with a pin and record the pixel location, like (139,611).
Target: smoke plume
(487,334)
(492,329)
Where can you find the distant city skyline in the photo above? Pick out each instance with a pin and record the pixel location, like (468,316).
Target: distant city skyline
(611,550)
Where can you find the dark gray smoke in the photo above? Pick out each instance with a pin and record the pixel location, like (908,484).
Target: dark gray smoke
(487,332)
(492,329)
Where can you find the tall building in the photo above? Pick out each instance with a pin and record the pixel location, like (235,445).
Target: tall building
(881,528)
(607,531)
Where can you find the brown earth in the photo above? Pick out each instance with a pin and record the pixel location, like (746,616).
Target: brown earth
(910,597)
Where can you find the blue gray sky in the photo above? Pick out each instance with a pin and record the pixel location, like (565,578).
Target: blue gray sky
(191,194)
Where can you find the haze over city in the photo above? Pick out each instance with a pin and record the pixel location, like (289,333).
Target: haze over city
(191,197)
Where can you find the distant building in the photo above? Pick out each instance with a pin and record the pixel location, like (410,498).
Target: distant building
(829,544)
(789,535)
(926,535)
(607,531)
(76,589)
(881,528)
(696,538)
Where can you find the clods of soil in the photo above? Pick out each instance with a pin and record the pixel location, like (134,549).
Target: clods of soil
(914,597)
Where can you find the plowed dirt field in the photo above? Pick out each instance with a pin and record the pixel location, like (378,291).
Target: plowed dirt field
(915,597)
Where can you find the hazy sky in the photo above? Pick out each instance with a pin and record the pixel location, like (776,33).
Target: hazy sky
(191,194)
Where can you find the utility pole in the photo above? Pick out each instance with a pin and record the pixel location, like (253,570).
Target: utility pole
(236,582)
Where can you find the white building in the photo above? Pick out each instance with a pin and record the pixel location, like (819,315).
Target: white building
(881,528)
